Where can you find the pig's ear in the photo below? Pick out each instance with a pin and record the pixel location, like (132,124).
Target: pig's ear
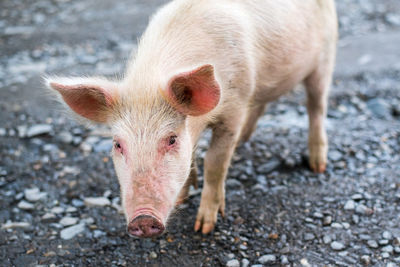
(91,98)
(193,93)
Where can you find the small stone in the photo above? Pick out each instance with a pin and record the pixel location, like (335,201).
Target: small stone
(318,215)
(397,250)
(383,242)
(22,131)
(269,166)
(233,184)
(269,258)
(103,146)
(327,220)
(245,263)
(13,225)
(24,205)
(336,225)
(97,201)
(385,255)
(38,129)
(153,255)
(65,137)
(77,203)
(57,210)
(365,259)
(387,235)
(350,205)
(3,132)
(49,217)
(98,233)
(362,209)
(72,231)
(372,244)
(304,262)
(67,221)
(309,237)
(284,260)
(233,263)
(379,107)
(327,239)
(334,155)
(357,197)
(393,19)
(346,225)
(34,194)
(388,249)
(337,245)
(391,264)
(71,210)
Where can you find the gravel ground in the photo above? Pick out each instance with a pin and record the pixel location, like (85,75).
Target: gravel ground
(60,197)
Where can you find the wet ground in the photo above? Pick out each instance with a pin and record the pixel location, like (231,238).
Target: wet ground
(60,197)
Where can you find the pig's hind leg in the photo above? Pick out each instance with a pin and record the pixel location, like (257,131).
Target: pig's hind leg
(216,164)
(317,87)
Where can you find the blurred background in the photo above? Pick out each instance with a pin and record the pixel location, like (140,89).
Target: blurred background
(59,197)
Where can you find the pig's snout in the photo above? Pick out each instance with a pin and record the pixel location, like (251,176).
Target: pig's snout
(145,226)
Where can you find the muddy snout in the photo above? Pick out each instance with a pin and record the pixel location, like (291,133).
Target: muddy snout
(145,226)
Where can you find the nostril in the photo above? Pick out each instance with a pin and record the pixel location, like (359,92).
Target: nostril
(145,226)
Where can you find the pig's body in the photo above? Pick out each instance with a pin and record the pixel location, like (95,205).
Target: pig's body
(201,64)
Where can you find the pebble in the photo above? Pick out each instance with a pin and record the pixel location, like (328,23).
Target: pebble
(57,210)
(269,258)
(379,107)
(336,225)
(77,203)
(388,249)
(98,233)
(245,262)
(34,194)
(362,209)
(357,196)
(22,131)
(365,259)
(372,244)
(72,231)
(3,132)
(233,263)
(387,235)
(49,217)
(284,260)
(397,250)
(153,255)
(103,146)
(309,237)
(38,129)
(327,220)
(304,262)
(383,242)
(327,239)
(24,205)
(350,205)
(269,166)
(12,225)
(337,245)
(335,155)
(97,201)
(391,264)
(65,137)
(385,255)
(68,221)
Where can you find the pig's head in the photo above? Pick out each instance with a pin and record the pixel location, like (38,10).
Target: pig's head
(152,143)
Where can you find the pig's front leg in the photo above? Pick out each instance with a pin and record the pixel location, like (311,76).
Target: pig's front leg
(192,180)
(216,164)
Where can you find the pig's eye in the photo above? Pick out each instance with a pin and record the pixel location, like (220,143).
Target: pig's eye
(118,146)
(172,140)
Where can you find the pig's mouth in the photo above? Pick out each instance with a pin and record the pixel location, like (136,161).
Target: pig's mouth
(145,224)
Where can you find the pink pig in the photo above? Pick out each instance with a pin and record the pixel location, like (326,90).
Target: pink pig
(205,63)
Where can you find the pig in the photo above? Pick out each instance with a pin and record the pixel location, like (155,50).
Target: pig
(205,64)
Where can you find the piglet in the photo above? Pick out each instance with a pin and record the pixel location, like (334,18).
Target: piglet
(199,64)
